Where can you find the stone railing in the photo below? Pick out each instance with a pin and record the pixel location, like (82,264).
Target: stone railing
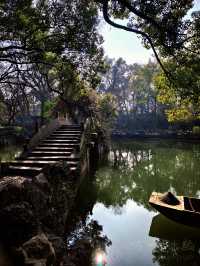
(88,142)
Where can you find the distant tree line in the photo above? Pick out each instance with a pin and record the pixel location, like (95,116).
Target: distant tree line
(141,102)
(174,38)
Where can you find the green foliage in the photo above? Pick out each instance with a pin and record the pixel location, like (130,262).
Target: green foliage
(49,47)
(196,130)
(163,21)
(181,96)
(102,105)
(164,27)
(49,107)
(135,95)
(107,107)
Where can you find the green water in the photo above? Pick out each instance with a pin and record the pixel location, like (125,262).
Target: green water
(118,200)
(9,152)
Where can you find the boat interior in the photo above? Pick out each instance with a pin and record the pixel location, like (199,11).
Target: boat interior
(192,204)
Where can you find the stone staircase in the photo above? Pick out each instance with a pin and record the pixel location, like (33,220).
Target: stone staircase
(62,145)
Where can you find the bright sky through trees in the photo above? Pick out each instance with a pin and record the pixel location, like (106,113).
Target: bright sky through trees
(119,43)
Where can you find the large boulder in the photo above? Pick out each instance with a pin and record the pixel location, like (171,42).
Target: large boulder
(39,204)
(38,251)
(17,223)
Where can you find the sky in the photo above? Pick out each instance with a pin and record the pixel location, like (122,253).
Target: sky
(119,43)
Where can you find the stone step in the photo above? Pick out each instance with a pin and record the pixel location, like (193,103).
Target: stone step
(73,148)
(55,141)
(41,162)
(71,125)
(67,134)
(49,153)
(61,131)
(60,145)
(73,169)
(63,138)
(24,170)
(32,163)
(53,149)
(38,165)
(63,135)
(54,158)
(70,128)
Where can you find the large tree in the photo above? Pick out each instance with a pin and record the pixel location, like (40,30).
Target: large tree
(174,38)
(161,24)
(55,43)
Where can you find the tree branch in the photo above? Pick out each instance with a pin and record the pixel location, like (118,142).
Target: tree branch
(143,34)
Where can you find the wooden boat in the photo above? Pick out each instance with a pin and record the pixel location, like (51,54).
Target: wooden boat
(185,210)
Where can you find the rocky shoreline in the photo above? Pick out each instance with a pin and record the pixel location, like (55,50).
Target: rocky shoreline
(34,213)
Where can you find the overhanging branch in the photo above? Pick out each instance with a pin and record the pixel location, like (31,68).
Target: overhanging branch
(143,34)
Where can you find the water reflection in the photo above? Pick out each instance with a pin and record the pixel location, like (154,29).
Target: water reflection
(176,253)
(118,201)
(136,169)
(86,242)
(177,244)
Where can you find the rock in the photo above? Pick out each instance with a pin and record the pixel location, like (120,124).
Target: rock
(59,246)
(17,223)
(38,251)
(38,204)
(42,182)
(18,189)
(5,259)
(11,190)
(38,198)
(81,253)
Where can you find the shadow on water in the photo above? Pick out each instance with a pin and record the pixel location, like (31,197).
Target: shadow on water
(164,228)
(85,239)
(176,244)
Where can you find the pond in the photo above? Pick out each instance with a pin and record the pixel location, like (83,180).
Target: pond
(9,152)
(118,200)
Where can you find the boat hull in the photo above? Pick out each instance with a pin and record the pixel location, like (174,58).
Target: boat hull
(176,213)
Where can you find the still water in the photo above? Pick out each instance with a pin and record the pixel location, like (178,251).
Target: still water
(9,152)
(118,200)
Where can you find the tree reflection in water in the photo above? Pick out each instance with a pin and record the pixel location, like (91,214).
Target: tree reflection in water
(176,244)
(136,169)
(85,239)
(176,253)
